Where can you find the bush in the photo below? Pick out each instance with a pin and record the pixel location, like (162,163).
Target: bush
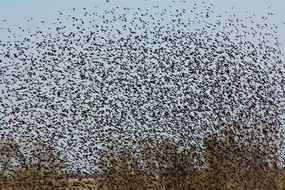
(154,166)
(37,170)
(232,164)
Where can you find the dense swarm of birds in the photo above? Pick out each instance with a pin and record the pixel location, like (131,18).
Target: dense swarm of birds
(116,76)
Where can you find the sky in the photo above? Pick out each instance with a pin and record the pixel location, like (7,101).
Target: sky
(16,13)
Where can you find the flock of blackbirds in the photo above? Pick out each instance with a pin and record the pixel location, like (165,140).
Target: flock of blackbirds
(116,76)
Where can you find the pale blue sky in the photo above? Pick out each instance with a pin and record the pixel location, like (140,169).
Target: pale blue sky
(17,12)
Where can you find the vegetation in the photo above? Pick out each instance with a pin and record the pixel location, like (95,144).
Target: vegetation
(156,167)
(239,166)
(229,164)
(36,171)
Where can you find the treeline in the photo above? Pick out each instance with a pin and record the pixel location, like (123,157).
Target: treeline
(229,163)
